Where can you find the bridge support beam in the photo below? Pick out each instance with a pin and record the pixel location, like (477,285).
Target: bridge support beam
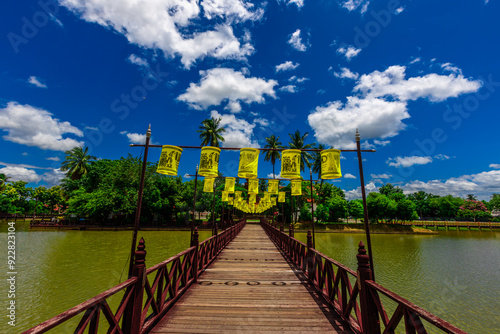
(132,317)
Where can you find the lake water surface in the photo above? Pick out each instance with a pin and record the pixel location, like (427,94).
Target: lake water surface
(454,274)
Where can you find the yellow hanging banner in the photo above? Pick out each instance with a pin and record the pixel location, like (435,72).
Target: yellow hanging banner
(169,160)
(281,197)
(230,201)
(330,164)
(249,161)
(209,161)
(253,186)
(272,187)
(252,199)
(274,201)
(237,196)
(267,197)
(225,196)
(208,185)
(290,164)
(296,187)
(229,186)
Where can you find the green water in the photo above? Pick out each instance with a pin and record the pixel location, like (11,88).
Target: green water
(454,274)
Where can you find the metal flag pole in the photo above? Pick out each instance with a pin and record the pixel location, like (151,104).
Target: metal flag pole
(139,202)
(365,209)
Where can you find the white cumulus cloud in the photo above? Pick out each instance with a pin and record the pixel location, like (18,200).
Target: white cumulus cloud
(238,133)
(346,73)
(20,174)
(380,176)
(349,176)
(163,25)
(495,166)
(225,84)
(32,126)
(296,41)
(289,89)
(286,66)
(380,104)
(348,52)
(408,161)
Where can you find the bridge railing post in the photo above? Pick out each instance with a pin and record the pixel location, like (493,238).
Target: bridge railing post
(132,317)
(195,242)
(370,323)
(310,257)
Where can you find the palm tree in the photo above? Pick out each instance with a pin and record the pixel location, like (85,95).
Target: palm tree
(316,165)
(298,143)
(77,163)
(3,180)
(210,132)
(273,142)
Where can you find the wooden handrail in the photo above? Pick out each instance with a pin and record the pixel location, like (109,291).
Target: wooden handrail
(359,305)
(161,292)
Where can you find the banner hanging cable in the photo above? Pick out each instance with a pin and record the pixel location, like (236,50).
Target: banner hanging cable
(260,149)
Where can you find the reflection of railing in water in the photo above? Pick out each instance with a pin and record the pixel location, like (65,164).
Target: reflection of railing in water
(358,304)
(172,278)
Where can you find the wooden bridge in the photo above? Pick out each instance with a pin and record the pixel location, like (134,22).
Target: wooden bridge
(453,224)
(249,279)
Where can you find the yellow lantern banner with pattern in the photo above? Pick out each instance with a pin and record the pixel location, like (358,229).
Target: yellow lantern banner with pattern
(249,161)
(267,197)
(274,201)
(208,185)
(229,185)
(290,164)
(230,201)
(281,197)
(169,160)
(296,187)
(330,164)
(272,187)
(209,161)
(253,186)
(252,199)
(237,196)
(225,196)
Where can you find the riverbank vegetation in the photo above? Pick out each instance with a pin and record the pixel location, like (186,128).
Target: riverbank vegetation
(105,192)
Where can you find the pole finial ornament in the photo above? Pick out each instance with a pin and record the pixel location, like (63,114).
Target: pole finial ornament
(358,137)
(148,133)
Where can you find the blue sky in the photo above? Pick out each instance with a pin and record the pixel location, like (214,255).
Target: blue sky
(420,79)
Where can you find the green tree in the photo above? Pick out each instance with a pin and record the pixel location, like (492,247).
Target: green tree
(421,199)
(495,201)
(337,208)
(388,190)
(273,142)
(3,181)
(406,210)
(445,207)
(297,142)
(322,212)
(355,208)
(316,165)
(380,207)
(77,163)
(211,132)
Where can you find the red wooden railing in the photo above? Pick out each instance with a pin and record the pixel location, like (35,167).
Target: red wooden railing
(354,295)
(146,299)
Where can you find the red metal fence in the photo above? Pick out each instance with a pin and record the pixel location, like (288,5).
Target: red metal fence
(146,299)
(358,304)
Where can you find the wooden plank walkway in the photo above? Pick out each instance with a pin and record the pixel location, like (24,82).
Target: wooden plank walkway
(250,288)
